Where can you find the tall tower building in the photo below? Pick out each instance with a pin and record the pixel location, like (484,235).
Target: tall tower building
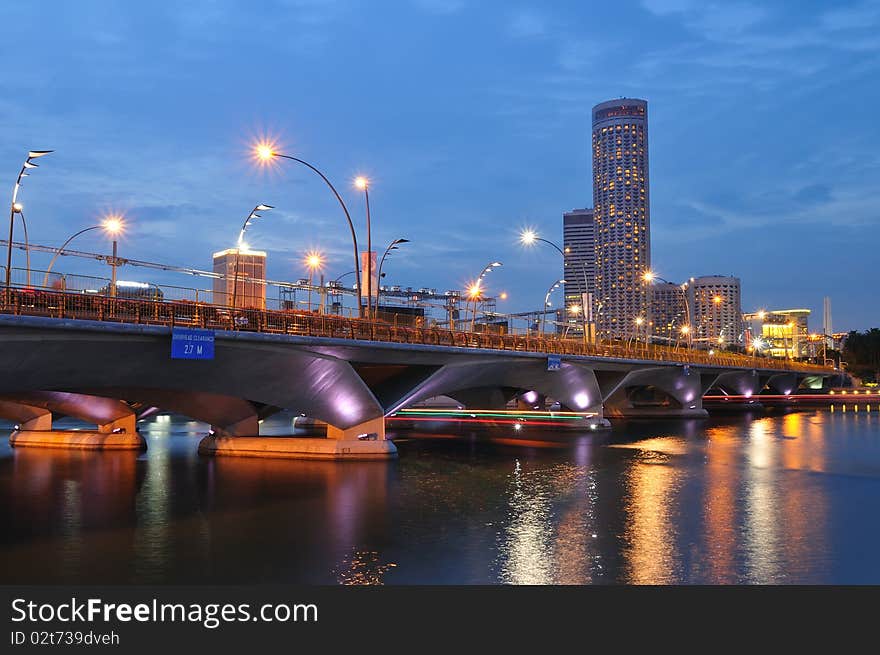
(716,308)
(579,244)
(251,288)
(621,210)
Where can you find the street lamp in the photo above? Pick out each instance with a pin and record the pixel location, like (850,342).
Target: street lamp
(555,285)
(475,290)
(391,246)
(241,244)
(686,331)
(314,261)
(649,277)
(363,184)
(640,321)
(15,207)
(528,237)
(265,153)
(112,227)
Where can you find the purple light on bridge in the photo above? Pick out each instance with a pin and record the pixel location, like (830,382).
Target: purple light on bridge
(582,400)
(530,397)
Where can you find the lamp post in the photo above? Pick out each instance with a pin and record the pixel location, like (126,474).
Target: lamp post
(112,226)
(314,261)
(554,286)
(266,153)
(363,184)
(116,223)
(15,207)
(241,244)
(640,320)
(716,301)
(529,237)
(476,289)
(391,246)
(649,277)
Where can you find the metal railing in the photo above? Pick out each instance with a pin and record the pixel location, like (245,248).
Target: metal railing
(80,297)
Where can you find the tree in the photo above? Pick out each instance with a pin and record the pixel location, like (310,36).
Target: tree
(862,354)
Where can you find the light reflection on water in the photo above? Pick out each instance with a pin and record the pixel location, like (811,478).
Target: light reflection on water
(778,499)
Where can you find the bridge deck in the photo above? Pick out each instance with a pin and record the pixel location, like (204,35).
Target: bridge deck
(67,305)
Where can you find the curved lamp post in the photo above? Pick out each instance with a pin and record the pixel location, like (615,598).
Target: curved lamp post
(650,276)
(529,237)
(241,243)
(15,207)
(554,286)
(112,226)
(475,290)
(391,246)
(266,153)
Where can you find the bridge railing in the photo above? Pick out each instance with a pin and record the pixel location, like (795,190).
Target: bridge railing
(146,309)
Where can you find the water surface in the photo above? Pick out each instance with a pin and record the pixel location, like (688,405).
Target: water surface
(788,498)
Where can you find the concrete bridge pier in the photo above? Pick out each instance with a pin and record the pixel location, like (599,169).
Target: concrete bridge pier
(656,392)
(115,421)
(363,441)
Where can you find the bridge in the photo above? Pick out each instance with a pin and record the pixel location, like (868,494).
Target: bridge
(106,359)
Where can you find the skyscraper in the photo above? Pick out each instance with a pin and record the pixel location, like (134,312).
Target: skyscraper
(251,293)
(621,210)
(579,244)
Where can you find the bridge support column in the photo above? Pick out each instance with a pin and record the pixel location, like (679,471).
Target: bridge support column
(116,422)
(658,392)
(364,441)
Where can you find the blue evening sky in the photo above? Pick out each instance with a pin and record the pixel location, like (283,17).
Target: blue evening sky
(471,118)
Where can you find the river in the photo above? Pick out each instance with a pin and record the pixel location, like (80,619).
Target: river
(783,498)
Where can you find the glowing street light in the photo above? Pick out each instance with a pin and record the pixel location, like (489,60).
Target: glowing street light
(113,226)
(314,261)
(649,277)
(16,207)
(265,154)
(475,290)
(363,184)
(528,237)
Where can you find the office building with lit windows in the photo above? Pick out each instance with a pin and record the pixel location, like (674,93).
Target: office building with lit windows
(716,310)
(668,312)
(579,244)
(251,292)
(621,211)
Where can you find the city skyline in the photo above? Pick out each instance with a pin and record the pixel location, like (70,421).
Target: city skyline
(181,175)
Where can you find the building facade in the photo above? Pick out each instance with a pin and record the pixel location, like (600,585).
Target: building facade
(716,310)
(579,245)
(783,333)
(621,209)
(251,292)
(668,312)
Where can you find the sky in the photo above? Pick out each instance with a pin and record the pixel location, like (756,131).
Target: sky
(472,121)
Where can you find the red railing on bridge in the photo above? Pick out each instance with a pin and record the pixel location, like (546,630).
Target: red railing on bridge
(140,311)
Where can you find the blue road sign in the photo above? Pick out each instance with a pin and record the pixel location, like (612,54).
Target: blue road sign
(554,362)
(188,343)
